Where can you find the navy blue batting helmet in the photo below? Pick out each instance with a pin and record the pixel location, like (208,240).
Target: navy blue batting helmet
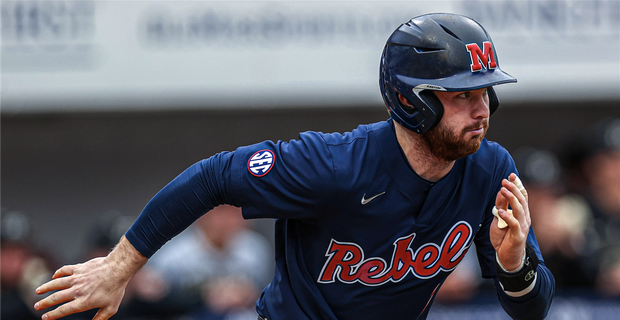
(436,52)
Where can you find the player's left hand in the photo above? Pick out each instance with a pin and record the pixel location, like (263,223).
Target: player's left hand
(509,242)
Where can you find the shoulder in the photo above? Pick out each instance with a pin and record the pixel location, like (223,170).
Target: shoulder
(490,154)
(317,140)
(337,138)
(491,163)
(349,150)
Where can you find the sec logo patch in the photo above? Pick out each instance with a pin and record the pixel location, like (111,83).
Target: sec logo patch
(261,163)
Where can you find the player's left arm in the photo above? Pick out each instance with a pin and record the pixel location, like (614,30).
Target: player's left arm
(525,285)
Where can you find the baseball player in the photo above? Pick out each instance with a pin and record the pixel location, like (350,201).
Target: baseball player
(369,223)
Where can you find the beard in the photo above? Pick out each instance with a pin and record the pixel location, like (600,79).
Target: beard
(449,146)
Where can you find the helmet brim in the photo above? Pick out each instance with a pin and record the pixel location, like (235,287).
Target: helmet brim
(463,81)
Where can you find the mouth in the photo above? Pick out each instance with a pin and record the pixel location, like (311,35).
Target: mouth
(476,131)
(477,128)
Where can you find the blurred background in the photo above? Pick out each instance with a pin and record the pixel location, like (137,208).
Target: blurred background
(104,102)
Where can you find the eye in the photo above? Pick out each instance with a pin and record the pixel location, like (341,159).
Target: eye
(463,95)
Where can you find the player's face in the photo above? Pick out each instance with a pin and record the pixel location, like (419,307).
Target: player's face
(463,126)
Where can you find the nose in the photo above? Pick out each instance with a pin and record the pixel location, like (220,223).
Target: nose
(480,105)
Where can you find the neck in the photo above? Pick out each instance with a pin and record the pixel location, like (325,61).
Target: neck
(420,158)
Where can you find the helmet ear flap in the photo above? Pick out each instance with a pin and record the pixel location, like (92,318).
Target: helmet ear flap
(429,98)
(493,100)
(425,111)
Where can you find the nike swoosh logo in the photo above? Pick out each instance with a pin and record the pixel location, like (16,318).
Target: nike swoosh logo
(365,201)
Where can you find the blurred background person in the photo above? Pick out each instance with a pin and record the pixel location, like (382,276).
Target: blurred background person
(22,268)
(216,269)
(592,162)
(559,218)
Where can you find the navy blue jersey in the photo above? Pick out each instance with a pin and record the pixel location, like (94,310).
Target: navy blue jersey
(359,235)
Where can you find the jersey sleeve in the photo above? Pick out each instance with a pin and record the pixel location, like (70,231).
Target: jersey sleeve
(536,303)
(192,193)
(268,180)
(297,183)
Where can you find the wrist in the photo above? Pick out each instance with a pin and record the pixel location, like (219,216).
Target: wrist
(126,259)
(519,282)
(513,269)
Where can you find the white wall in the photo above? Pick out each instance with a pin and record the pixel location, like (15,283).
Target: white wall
(119,55)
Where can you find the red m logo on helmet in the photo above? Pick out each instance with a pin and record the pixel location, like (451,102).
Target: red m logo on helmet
(481,58)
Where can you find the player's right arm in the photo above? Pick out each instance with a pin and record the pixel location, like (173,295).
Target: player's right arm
(100,282)
(221,179)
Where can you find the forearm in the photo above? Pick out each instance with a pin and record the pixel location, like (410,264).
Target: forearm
(195,191)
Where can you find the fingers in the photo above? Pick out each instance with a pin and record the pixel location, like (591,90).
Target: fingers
(54,299)
(57,284)
(64,271)
(501,223)
(513,188)
(518,212)
(512,199)
(62,283)
(74,306)
(509,219)
(520,220)
(513,195)
(513,183)
(81,287)
(500,201)
(515,179)
(509,242)
(63,311)
(104,314)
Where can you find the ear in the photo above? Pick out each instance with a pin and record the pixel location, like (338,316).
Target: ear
(404,100)
(406,105)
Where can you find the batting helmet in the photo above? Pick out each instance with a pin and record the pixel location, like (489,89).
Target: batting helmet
(436,52)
